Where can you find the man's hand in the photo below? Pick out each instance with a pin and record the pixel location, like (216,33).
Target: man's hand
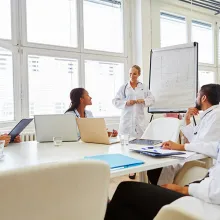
(140,101)
(6,138)
(131,102)
(176,188)
(191,112)
(172,146)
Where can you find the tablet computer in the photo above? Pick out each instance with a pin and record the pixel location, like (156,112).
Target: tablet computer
(19,128)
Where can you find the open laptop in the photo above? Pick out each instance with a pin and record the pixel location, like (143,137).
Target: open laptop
(49,126)
(93,130)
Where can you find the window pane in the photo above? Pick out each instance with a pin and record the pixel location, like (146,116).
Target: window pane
(50,82)
(172,30)
(203,34)
(6,86)
(5,19)
(52,22)
(103,25)
(206,77)
(103,79)
(219,47)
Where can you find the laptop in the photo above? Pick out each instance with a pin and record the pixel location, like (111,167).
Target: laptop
(93,130)
(146,142)
(49,126)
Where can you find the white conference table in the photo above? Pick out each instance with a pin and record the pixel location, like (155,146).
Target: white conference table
(33,153)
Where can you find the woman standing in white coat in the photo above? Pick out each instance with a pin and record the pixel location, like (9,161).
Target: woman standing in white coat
(132,98)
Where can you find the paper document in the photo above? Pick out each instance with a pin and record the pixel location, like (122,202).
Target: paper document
(155,151)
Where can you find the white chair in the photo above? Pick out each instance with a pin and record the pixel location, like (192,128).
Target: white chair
(189,208)
(55,191)
(163,129)
(191,171)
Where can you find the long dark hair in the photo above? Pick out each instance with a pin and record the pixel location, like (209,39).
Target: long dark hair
(75,96)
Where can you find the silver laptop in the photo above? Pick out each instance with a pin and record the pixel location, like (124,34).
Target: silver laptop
(49,126)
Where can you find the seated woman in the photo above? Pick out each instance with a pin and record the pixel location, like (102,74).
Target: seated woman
(7,139)
(79,100)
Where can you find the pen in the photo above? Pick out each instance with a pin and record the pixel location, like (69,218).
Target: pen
(147,148)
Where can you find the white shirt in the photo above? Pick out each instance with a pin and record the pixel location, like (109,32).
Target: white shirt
(88,114)
(209,189)
(132,119)
(208,127)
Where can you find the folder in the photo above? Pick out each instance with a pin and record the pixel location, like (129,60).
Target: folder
(117,161)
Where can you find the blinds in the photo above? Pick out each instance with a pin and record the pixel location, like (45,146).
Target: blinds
(172,29)
(203,34)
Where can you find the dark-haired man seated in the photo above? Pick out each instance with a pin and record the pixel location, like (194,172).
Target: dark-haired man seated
(142,201)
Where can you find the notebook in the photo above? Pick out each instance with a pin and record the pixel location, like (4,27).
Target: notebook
(117,160)
(160,152)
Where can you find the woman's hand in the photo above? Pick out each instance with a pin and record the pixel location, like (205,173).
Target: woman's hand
(131,102)
(17,139)
(6,138)
(140,101)
(114,133)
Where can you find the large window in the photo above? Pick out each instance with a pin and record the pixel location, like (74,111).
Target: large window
(103,80)
(172,29)
(5,19)
(103,25)
(50,82)
(52,22)
(206,77)
(55,46)
(6,86)
(203,34)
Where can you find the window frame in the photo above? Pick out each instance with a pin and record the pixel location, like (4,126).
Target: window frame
(21,48)
(177,15)
(25,78)
(190,15)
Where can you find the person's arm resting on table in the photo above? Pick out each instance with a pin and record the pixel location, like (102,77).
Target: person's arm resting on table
(208,148)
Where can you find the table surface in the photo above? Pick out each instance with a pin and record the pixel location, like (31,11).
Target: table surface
(33,153)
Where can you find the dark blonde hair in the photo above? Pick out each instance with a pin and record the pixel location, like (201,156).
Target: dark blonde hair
(137,68)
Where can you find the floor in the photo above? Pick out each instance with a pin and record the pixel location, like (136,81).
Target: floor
(115,181)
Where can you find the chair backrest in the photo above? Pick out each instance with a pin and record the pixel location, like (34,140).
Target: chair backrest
(55,191)
(163,129)
(190,172)
(169,212)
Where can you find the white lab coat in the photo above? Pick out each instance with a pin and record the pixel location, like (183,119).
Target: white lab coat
(132,119)
(209,189)
(206,130)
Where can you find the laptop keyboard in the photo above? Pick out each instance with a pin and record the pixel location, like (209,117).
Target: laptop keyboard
(145,142)
(114,140)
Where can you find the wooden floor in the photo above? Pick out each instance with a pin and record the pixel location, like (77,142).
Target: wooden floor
(115,181)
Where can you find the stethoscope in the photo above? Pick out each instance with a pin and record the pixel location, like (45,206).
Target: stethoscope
(195,133)
(77,115)
(126,87)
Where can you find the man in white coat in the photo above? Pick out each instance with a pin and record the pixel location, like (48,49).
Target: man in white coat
(206,130)
(132,98)
(134,200)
